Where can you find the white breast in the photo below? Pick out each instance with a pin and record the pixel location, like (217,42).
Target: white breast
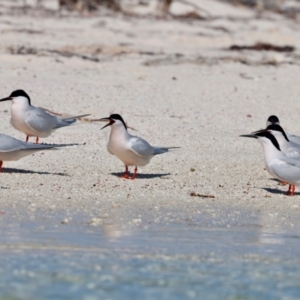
(118,145)
(18,111)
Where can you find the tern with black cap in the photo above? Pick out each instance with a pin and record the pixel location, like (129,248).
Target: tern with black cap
(284,168)
(131,150)
(34,121)
(292,138)
(288,147)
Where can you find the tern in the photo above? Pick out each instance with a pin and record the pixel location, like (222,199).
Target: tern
(34,121)
(288,147)
(131,150)
(12,149)
(284,168)
(274,120)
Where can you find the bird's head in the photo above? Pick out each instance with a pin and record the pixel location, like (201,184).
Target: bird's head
(18,95)
(114,120)
(273,120)
(265,137)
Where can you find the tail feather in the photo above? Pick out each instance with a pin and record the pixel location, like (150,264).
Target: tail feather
(74,117)
(161,150)
(30,146)
(65,121)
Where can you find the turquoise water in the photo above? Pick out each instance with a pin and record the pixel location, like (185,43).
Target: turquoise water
(178,261)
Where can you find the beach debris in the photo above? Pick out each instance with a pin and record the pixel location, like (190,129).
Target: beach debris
(288,8)
(245,76)
(192,169)
(274,59)
(263,46)
(88,5)
(190,15)
(22,50)
(69,54)
(194,194)
(163,9)
(137,221)
(64,221)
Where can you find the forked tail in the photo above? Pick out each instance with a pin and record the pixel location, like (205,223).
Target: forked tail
(65,121)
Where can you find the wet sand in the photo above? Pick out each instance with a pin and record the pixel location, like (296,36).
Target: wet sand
(44,260)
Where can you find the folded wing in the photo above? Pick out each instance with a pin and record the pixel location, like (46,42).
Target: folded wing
(287,169)
(9,144)
(141,147)
(41,121)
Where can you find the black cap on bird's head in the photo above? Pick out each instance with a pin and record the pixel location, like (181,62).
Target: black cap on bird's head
(264,133)
(15,94)
(112,119)
(273,120)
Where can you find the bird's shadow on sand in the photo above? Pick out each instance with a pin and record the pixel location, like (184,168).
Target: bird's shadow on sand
(142,176)
(278,191)
(22,171)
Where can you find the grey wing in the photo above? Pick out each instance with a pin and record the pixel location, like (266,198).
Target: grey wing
(293,150)
(9,144)
(291,162)
(41,121)
(287,169)
(294,138)
(141,147)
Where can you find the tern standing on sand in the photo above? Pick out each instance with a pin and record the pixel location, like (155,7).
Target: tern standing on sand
(131,150)
(277,163)
(34,121)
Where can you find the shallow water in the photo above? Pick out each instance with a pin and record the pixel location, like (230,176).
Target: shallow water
(178,261)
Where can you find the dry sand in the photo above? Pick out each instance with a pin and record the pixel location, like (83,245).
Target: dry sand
(173,81)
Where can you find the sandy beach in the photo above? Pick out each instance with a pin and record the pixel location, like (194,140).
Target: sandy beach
(177,84)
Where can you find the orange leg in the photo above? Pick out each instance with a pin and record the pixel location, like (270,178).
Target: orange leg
(291,190)
(126,173)
(134,174)
(1,163)
(37,140)
(27,138)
